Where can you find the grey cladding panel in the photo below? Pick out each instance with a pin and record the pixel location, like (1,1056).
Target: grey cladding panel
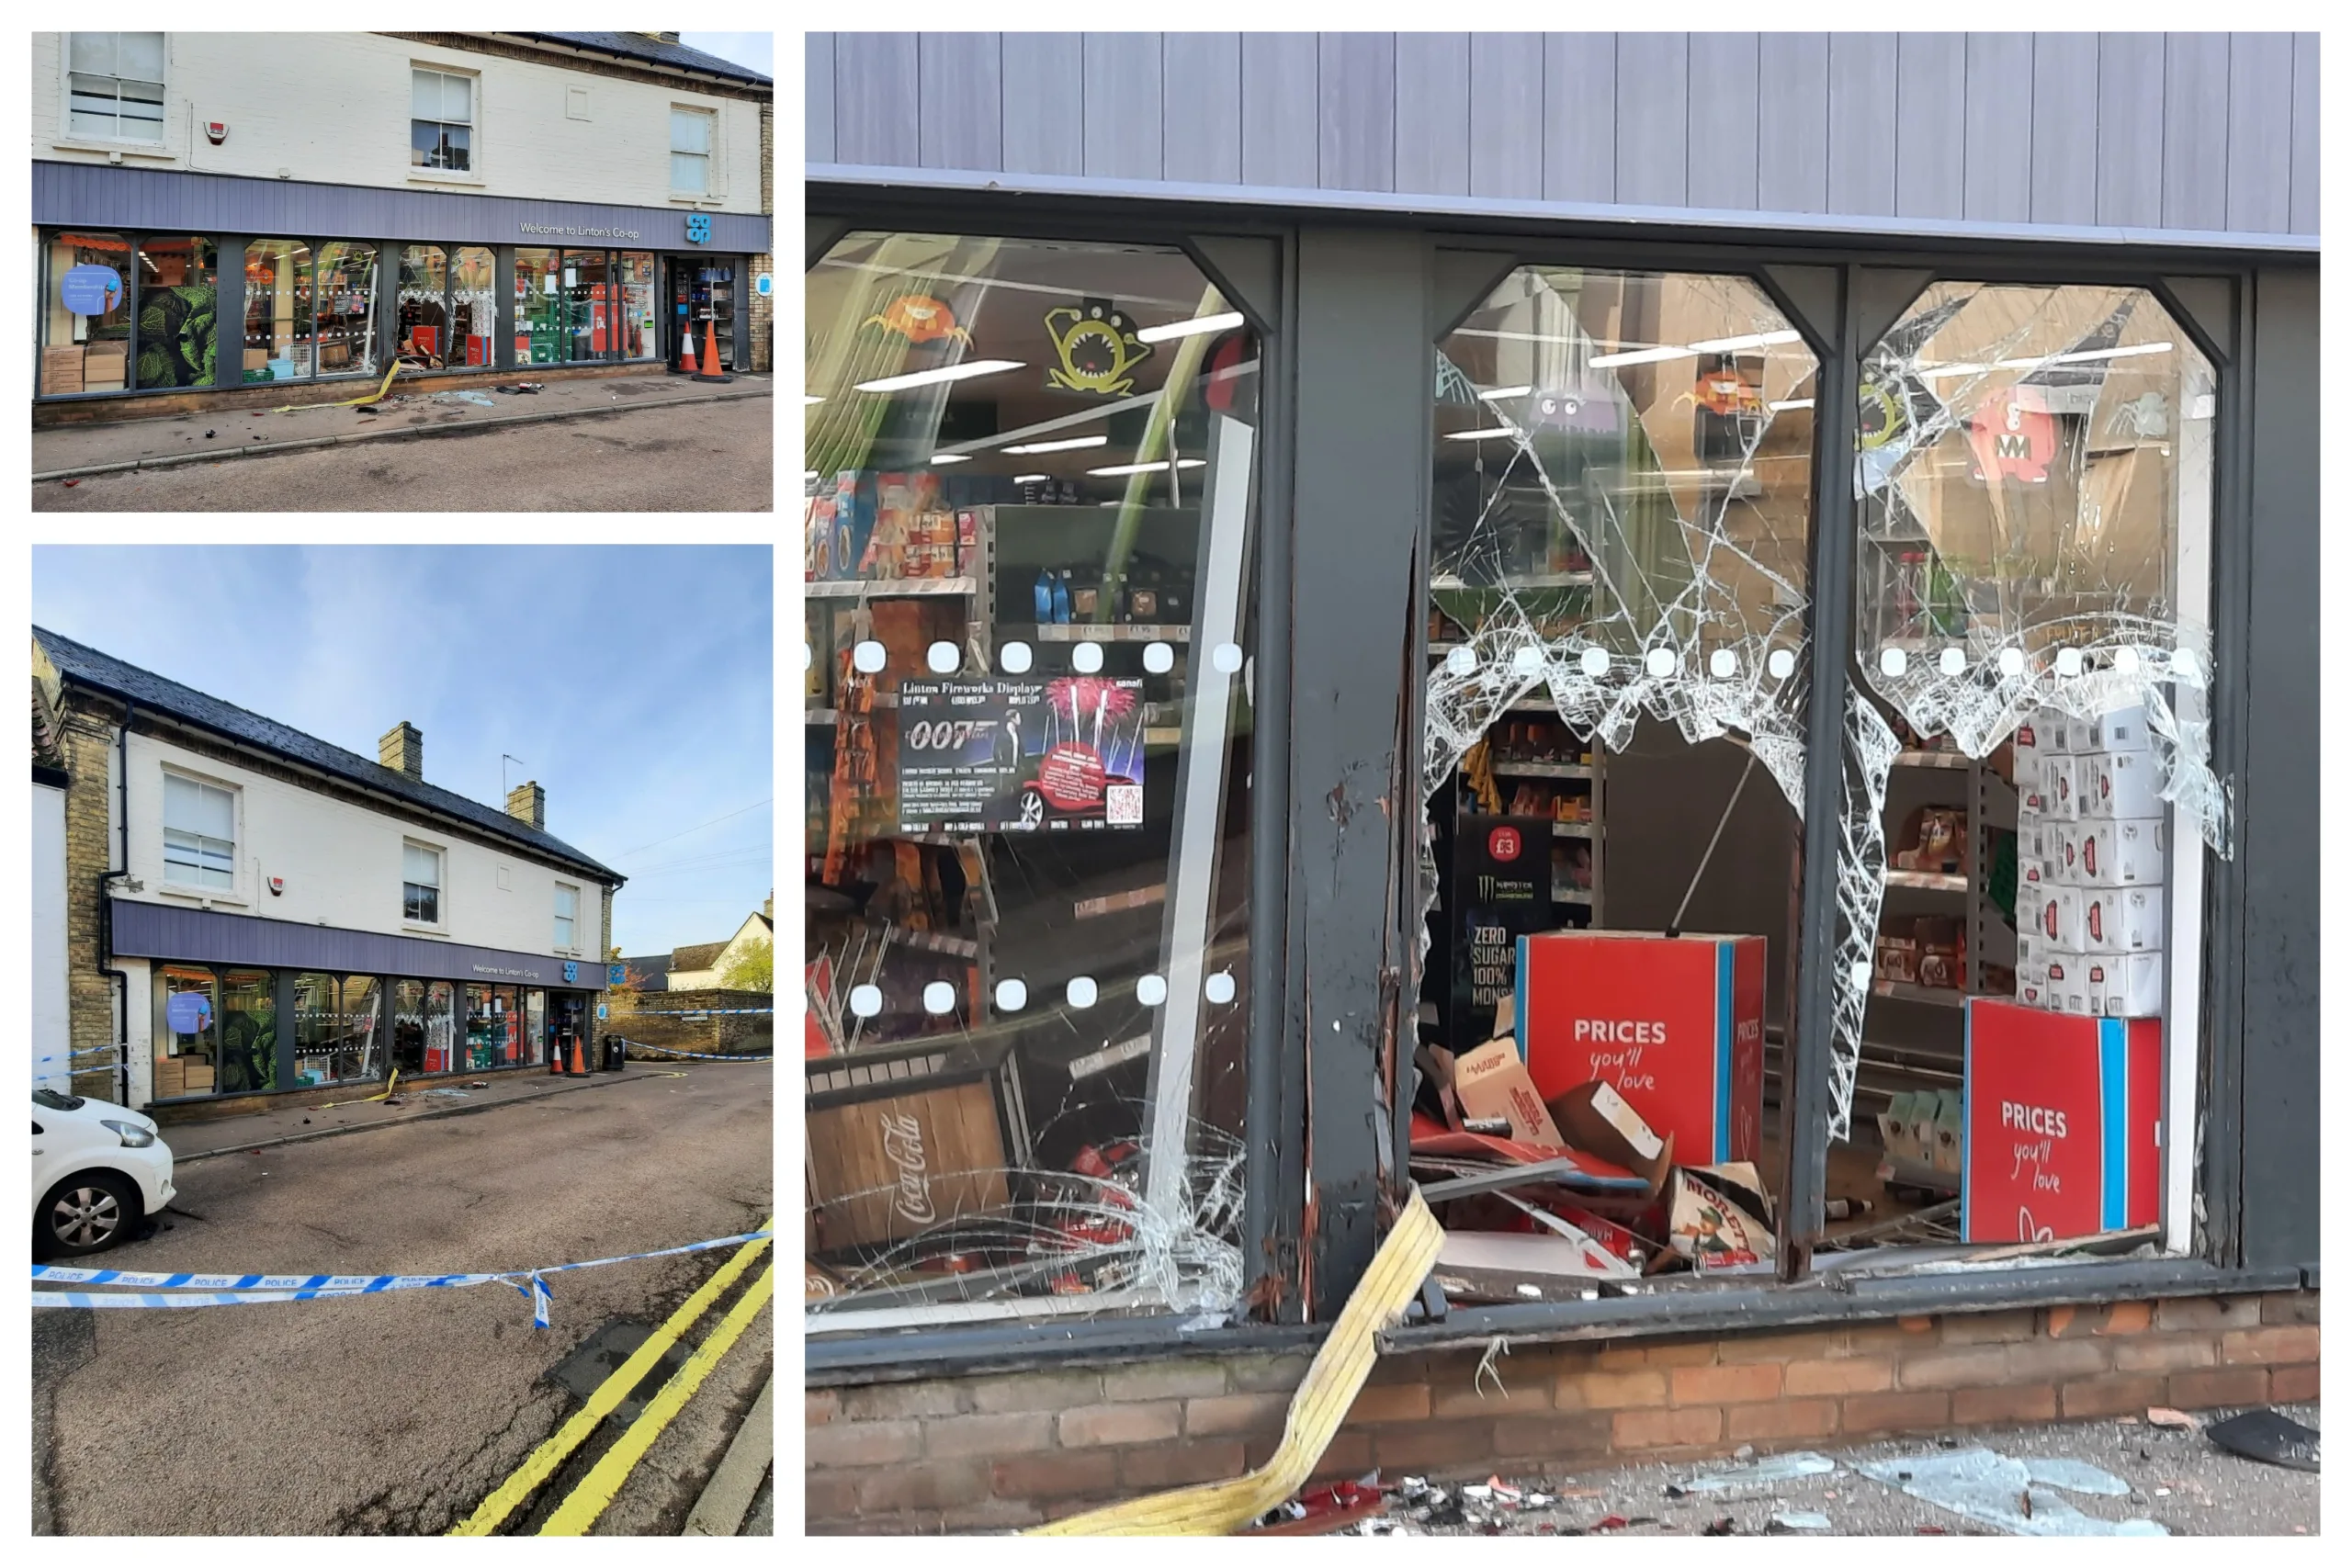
(817,104)
(1356,111)
(2196,130)
(156,931)
(1045,110)
(1653,118)
(1862,68)
(1722,136)
(1201,107)
(1580,117)
(1998,145)
(1280,143)
(962,106)
(2131,130)
(2303,193)
(875,99)
(1506,114)
(1433,113)
(1121,86)
(1792,122)
(2066,128)
(1930,124)
(2262,131)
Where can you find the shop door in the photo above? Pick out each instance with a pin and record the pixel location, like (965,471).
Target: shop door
(702,298)
(570,1027)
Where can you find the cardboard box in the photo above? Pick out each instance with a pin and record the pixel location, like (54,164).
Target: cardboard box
(2066,983)
(61,370)
(2057,916)
(2122,785)
(2125,732)
(1597,1120)
(1491,1082)
(2062,1125)
(2128,985)
(890,1166)
(2123,919)
(2116,854)
(1676,1024)
(2032,743)
(2081,736)
(2061,796)
(1719,1217)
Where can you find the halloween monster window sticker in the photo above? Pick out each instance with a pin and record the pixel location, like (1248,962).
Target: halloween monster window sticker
(1097,348)
(920,319)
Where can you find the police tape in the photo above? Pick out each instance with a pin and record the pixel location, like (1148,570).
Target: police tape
(154,1289)
(709,1012)
(114,1051)
(695,1055)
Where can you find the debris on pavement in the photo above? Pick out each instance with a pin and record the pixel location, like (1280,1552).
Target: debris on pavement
(2267,1438)
(1762,1475)
(2172,1420)
(2008,1494)
(1798,1519)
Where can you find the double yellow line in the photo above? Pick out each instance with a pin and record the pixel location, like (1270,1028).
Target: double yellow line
(596,1490)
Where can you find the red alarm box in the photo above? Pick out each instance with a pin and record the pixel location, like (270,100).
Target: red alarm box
(1675,1024)
(2061,1130)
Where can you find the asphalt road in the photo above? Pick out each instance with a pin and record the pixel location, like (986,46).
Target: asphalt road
(398,1413)
(704,457)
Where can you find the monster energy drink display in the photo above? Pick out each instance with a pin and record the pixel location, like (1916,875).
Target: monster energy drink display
(993,755)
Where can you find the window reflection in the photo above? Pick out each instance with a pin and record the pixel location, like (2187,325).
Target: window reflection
(279,310)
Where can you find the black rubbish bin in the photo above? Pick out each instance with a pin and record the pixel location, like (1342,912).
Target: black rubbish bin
(616,1053)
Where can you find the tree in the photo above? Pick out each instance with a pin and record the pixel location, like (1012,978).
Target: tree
(753,970)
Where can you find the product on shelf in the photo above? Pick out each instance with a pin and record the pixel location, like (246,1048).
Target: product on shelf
(2063,1120)
(1935,841)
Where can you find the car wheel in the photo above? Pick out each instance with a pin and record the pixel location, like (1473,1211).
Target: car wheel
(1033,809)
(85,1214)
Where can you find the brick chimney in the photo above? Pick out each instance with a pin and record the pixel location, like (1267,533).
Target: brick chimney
(528,802)
(402,750)
(667,38)
(768,908)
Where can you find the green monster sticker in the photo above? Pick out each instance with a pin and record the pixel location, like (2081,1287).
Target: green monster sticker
(1098,347)
(176,335)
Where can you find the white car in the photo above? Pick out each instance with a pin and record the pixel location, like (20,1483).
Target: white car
(99,1171)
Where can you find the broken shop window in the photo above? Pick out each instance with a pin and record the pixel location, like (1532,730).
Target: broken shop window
(1030,480)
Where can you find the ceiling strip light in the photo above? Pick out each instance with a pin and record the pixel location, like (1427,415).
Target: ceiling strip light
(963,372)
(1643,356)
(1121,469)
(1498,394)
(1069,444)
(1750,340)
(1503,433)
(1192,328)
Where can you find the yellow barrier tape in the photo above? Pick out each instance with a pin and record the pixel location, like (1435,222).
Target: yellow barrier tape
(1321,1403)
(393,1083)
(602,1484)
(545,1459)
(375,397)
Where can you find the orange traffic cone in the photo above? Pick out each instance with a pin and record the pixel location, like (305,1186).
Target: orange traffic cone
(555,1061)
(579,1057)
(687,354)
(710,364)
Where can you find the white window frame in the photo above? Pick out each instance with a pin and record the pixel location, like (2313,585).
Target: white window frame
(573,949)
(714,179)
(68,135)
(471,174)
(235,892)
(440,854)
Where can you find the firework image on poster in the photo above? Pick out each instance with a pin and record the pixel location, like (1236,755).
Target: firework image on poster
(997,754)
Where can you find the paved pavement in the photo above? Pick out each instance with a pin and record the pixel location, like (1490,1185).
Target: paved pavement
(398,1413)
(622,448)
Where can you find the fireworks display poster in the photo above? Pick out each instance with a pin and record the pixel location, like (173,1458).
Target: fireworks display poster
(1003,754)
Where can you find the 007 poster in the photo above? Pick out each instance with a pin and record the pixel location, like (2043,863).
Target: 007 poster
(999,754)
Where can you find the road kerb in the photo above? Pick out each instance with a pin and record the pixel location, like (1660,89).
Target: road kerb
(549,1457)
(726,1496)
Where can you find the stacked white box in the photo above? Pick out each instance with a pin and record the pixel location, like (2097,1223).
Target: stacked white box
(2092,850)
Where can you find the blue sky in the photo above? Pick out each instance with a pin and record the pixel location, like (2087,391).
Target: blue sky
(754,49)
(634,682)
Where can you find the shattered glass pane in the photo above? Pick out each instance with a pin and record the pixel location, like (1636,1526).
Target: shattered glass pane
(1624,489)
(2033,479)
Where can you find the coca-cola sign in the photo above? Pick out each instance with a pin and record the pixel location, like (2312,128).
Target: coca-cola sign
(902,1146)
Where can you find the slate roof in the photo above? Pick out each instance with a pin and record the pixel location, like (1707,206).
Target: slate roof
(642,46)
(699,956)
(86,666)
(655,971)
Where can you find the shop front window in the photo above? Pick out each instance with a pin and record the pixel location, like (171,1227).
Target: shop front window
(2031,738)
(408,1026)
(588,300)
(1029,527)
(1613,725)
(336,1034)
(495,1028)
(473,305)
(424,307)
(538,307)
(278,315)
(347,309)
(187,1032)
(248,1001)
(535,1029)
(85,313)
(641,331)
(179,324)
(440,1027)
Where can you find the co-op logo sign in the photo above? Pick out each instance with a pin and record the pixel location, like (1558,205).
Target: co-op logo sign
(574,232)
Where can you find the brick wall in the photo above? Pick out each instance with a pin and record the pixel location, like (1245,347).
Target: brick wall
(762,305)
(1005,1450)
(647,1018)
(86,742)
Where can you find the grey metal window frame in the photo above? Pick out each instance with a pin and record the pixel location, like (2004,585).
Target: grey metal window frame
(449,295)
(1843,292)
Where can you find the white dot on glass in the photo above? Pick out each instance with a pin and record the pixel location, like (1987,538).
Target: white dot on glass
(1462,661)
(1723,664)
(1226,658)
(1151,990)
(1086,658)
(2013,662)
(1661,662)
(1526,660)
(944,658)
(1782,664)
(1012,996)
(1951,661)
(939,997)
(1893,662)
(2070,662)
(1862,973)
(807,657)
(2127,662)
(2184,664)
(1220,988)
(869,657)
(1595,662)
(865,1001)
(1014,657)
(1081,993)
(1158,659)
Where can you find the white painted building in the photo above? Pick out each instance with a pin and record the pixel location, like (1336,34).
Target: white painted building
(289,915)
